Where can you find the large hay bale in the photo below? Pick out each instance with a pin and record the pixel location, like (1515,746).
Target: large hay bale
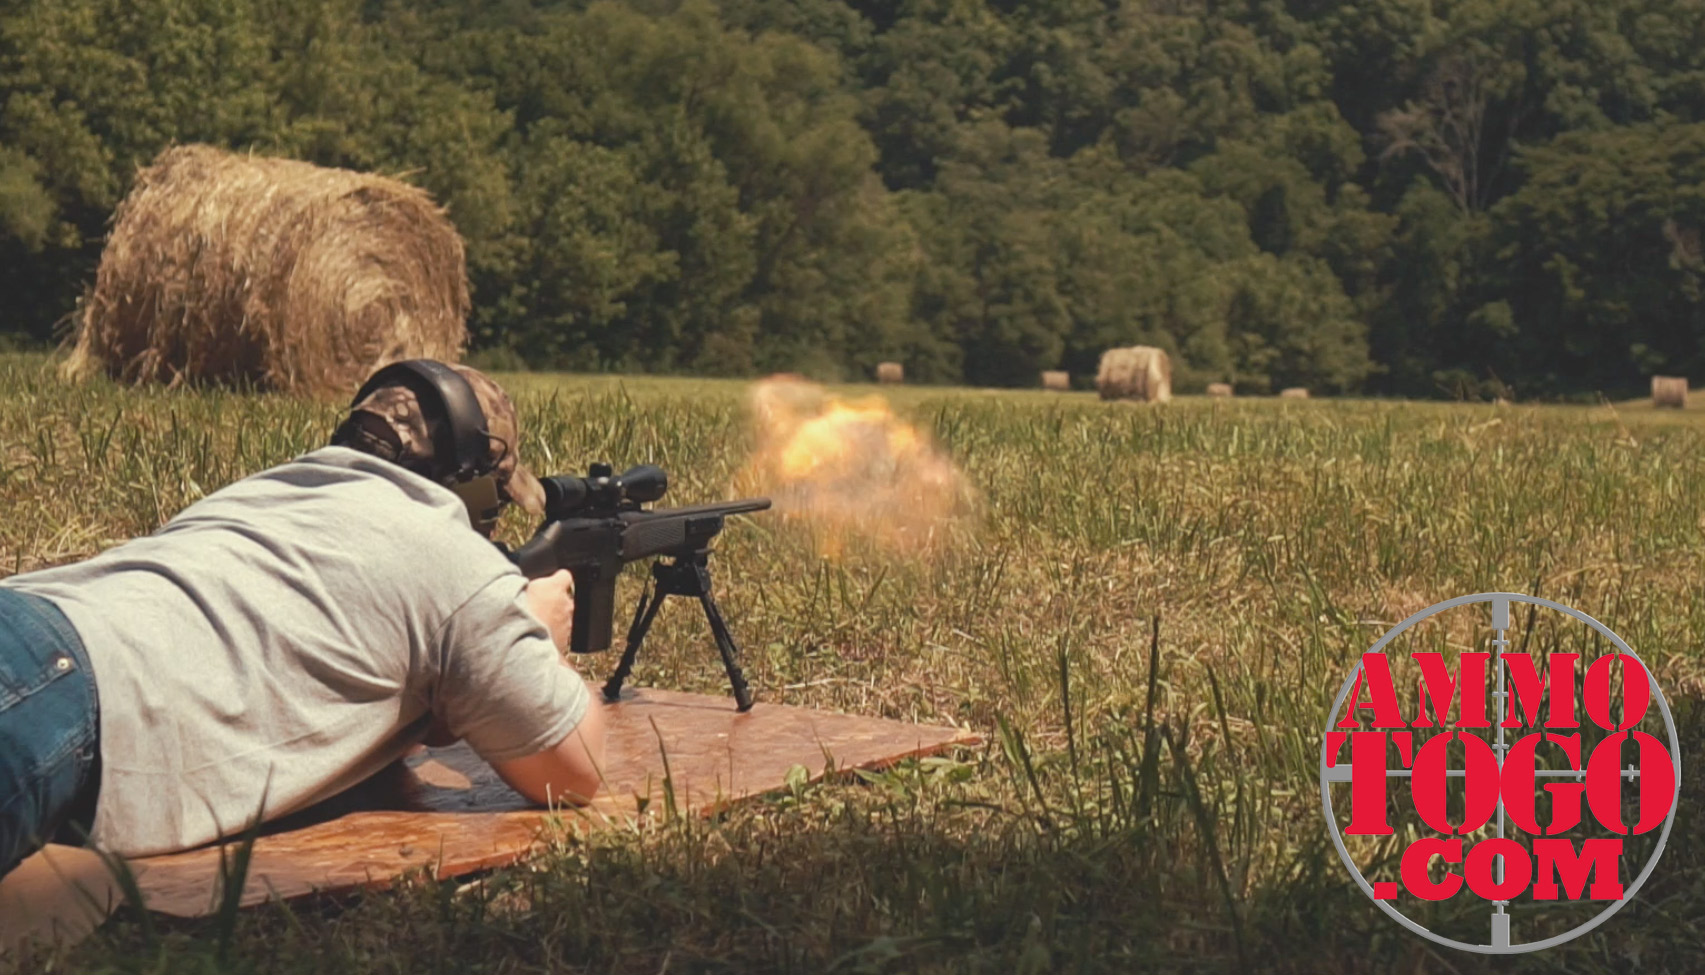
(1219,390)
(237,269)
(890,372)
(1140,372)
(1294,392)
(1056,379)
(1669,392)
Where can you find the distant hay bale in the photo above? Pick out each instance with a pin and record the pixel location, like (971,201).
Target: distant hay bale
(1056,379)
(1140,372)
(1295,392)
(1219,390)
(1669,392)
(237,269)
(890,372)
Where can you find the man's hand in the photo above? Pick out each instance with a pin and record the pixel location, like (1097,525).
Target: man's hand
(551,599)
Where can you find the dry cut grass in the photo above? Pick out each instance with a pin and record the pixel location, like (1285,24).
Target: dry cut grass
(270,273)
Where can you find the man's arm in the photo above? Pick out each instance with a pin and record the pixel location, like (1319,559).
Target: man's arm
(572,772)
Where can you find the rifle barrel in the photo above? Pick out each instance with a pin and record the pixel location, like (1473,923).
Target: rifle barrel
(661,531)
(740,507)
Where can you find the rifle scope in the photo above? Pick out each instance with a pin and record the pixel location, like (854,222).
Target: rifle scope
(602,489)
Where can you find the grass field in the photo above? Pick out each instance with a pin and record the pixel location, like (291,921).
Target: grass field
(1123,817)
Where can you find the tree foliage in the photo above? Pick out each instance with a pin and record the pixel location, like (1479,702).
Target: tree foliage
(1388,196)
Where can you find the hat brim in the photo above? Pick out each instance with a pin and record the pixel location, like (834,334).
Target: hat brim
(525,490)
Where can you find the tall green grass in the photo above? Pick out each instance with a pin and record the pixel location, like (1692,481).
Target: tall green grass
(1148,623)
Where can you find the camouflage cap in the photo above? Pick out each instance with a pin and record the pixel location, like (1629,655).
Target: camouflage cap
(389,423)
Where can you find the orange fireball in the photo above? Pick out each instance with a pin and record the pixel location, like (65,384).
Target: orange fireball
(851,471)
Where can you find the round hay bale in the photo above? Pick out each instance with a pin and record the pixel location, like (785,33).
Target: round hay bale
(1295,392)
(1056,379)
(1220,390)
(236,269)
(1669,392)
(1141,373)
(890,372)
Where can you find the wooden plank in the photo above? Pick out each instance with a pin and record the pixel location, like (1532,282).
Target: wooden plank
(449,813)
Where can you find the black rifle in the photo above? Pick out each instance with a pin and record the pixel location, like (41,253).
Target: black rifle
(595,525)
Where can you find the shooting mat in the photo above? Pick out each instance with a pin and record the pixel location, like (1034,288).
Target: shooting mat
(449,812)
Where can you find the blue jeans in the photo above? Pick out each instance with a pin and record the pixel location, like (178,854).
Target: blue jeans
(49,729)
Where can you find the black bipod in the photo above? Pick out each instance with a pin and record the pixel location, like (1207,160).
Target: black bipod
(684,575)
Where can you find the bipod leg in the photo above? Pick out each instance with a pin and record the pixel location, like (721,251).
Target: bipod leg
(725,645)
(642,617)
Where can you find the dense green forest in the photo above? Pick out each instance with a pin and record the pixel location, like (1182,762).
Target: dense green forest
(1417,197)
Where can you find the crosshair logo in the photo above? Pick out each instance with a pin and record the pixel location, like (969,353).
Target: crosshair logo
(1500,800)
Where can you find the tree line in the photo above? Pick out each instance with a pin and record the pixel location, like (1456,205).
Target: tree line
(1415,197)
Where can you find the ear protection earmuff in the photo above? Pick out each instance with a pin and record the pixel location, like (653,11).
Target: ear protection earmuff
(461,449)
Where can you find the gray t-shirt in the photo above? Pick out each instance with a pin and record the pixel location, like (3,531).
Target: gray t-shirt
(292,634)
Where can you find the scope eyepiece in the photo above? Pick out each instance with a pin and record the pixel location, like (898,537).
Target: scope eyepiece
(566,494)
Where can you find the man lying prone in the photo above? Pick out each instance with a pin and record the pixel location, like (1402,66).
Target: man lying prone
(293,633)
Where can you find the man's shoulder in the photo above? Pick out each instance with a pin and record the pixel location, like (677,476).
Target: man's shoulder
(333,476)
(349,499)
(345,464)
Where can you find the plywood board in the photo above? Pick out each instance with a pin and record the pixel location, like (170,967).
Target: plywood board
(450,814)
